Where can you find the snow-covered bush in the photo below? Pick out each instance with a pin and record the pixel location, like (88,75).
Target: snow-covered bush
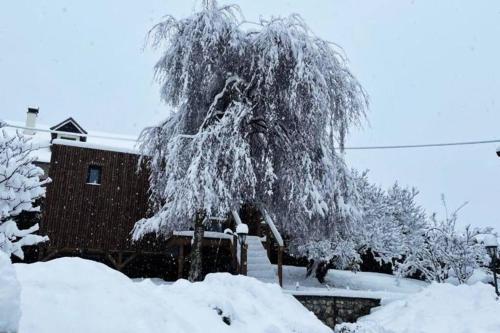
(446,251)
(387,223)
(20,186)
(10,295)
(391,222)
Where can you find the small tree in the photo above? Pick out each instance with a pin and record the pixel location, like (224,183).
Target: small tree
(20,186)
(258,115)
(445,251)
(387,224)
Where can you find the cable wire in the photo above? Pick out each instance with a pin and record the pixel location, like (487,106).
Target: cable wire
(424,145)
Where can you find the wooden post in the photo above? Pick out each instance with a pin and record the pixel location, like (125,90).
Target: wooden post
(280,265)
(244,250)
(120,261)
(180,262)
(234,253)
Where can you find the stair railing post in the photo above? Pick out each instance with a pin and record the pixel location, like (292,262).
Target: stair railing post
(244,255)
(236,267)
(280,265)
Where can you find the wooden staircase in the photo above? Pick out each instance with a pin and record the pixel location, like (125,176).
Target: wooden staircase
(258,264)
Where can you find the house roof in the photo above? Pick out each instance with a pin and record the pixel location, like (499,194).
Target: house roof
(95,140)
(67,121)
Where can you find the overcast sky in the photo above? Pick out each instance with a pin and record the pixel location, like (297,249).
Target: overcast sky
(431,69)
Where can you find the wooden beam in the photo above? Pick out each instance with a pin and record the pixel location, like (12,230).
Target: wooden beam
(112,260)
(128,260)
(50,255)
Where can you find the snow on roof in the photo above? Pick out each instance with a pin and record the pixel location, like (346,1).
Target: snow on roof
(69,120)
(90,145)
(206,234)
(95,140)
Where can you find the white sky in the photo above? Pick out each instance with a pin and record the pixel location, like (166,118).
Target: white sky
(430,67)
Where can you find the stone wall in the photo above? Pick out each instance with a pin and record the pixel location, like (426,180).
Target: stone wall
(333,310)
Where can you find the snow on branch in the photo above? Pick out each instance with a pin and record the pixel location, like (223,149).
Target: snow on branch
(256,117)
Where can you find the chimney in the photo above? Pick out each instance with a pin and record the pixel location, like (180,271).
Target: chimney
(31,116)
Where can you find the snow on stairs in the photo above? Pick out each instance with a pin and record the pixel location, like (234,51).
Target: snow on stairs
(258,264)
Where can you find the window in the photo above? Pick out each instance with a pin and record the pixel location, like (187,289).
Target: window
(94,175)
(73,138)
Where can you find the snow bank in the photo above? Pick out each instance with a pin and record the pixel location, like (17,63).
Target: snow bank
(440,308)
(10,291)
(351,284)
(76,295)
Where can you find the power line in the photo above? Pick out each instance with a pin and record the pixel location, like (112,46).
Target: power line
(424,145)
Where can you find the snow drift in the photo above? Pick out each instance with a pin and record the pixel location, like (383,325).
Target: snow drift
(76,295)
(440,308)
(10,310)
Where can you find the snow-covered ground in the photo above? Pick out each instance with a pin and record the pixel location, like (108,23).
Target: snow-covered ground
(9,295)
(347,283)
(439,308)
(76,295)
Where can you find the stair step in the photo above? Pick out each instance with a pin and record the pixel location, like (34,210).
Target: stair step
(255,265)
(262,276)
(258,264)
(258,260)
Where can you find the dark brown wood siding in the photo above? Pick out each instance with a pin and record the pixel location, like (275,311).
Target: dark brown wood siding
(82,216)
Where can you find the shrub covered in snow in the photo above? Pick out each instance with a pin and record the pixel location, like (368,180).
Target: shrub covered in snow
(388,224)
(446,251)
(20,186)
(10,294)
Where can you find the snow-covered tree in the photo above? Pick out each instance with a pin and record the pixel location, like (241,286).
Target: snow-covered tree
(390,222)
(387,224)
(446,251)
(258,115)
(20,186)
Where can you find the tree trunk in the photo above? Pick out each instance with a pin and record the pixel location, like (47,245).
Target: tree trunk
(195,271)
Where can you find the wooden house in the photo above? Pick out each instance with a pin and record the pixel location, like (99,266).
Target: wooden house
(96,196)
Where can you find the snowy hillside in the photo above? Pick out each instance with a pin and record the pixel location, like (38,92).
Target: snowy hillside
(80,296)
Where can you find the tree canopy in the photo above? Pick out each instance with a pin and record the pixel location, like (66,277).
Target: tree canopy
(259,116)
